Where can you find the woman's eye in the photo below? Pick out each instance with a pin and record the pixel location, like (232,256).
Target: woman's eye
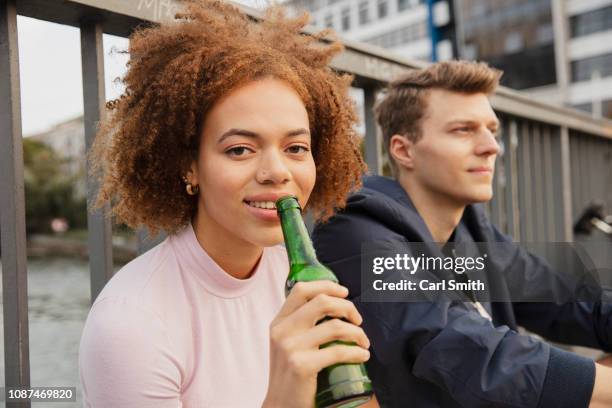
(238,151)
(297,149)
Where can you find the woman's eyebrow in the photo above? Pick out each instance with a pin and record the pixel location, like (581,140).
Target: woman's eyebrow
(298,132)
(237,132)
(248,133)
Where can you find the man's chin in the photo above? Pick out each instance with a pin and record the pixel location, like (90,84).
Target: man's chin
(484,198)
(477,197)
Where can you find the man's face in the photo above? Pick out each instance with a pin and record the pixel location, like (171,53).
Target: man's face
(455,157)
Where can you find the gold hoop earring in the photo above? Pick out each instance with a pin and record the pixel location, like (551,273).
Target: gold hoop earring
(191,189)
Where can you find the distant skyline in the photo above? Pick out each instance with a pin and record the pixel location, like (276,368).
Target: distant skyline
(50,71)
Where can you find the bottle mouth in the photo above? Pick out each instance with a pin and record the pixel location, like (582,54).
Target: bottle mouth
(286,203)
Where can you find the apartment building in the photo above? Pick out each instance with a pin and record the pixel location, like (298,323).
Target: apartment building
(559,51)
(397,25)
(586,55)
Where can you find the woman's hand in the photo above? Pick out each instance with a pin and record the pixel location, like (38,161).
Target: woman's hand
(295,357)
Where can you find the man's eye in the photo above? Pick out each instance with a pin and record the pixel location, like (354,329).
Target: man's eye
(238,151)
(462,130)
(297,149)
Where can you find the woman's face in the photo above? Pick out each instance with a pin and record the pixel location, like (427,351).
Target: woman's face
(255,147)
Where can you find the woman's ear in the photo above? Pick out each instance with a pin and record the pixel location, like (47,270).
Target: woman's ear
(402,151)
(192,174)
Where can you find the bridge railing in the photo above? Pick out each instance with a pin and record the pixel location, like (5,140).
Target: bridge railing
(555,160)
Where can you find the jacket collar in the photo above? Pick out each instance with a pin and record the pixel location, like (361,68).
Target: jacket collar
(470,227)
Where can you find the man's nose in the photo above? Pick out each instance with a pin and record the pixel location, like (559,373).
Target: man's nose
(487,144)
(272,169)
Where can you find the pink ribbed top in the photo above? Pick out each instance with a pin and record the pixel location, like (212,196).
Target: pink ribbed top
(172,329)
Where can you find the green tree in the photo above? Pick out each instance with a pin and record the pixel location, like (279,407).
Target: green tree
(49,190)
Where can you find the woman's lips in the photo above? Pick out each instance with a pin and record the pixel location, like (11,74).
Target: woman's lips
(264,214)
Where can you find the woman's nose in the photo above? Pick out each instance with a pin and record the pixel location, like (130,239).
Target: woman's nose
(272,169)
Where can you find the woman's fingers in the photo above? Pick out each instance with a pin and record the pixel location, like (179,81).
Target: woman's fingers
(330,330)
(321,306)
(308,363)
(338,353)
(310,303)
(302,292)
(295,337)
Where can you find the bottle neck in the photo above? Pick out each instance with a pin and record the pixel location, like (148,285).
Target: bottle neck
(297,241)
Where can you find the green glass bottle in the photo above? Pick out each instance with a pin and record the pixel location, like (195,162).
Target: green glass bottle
(341,385)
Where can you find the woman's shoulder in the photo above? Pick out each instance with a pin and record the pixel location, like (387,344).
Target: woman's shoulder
(124,347)
(138,275)
(121,311)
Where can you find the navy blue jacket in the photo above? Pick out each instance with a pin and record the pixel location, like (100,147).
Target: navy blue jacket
(429,354)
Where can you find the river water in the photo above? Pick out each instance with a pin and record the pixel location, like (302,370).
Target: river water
(58,300)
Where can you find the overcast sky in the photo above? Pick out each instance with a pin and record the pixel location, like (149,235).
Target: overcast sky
(50,71)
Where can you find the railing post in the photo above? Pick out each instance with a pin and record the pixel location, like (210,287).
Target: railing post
(98,224)
(537,176)
(527,212)
(512,180)
(146,241)
(12,210)
(566,181)
(373,150)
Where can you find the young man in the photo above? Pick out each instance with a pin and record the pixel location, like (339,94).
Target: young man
(441,135)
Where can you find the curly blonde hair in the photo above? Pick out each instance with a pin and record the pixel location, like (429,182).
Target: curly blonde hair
(176,73)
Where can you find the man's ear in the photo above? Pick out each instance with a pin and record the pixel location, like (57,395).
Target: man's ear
(401,149)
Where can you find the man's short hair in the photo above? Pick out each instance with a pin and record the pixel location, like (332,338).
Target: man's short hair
(404,105)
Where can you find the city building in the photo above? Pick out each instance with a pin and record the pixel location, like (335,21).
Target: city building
(398,25)
(67,139)
(584,54)
(558,51)
(516,36)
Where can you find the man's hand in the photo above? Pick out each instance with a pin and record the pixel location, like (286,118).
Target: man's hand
(373,403)
(602,390)
(606,361)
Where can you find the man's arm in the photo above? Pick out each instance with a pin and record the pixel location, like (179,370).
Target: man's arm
(574,313)
(579,323)
(478,365)
(452,346)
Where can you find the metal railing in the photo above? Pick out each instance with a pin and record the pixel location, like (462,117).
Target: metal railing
(555,160)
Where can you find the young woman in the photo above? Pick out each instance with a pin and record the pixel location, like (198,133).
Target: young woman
(221,116)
